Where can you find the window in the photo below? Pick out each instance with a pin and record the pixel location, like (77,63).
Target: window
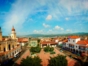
(79,47)
(4,49)
(69,45)
(82,48)
(73,40)
(9,47)
(72,46)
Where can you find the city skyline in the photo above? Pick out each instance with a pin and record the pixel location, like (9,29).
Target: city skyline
(44,16)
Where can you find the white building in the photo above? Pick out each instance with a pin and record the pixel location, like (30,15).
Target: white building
(76,45)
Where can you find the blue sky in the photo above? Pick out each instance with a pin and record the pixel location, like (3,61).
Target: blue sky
(44,16)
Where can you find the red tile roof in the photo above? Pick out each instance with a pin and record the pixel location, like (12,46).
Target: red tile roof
(83,42)
(74,37)
(3,39)
(48,42)
(22,39)
(65,40)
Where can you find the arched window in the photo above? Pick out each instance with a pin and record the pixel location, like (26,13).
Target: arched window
(4,49)
(9,47)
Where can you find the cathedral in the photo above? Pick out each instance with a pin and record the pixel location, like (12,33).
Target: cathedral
(8,46)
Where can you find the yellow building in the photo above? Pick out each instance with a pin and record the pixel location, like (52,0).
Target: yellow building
(8,46)
(33,42)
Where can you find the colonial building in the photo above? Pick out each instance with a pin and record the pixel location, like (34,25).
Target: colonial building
(22,41)
(33,42)
(48,42)
(76,45)
(8,46)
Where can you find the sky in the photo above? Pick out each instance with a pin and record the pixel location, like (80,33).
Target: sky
(44,16)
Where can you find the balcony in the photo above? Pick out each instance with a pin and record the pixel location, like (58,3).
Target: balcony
(82,49)
(71,46)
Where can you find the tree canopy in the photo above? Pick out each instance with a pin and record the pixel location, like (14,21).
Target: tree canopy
(48,49)
(58,61)
(29,61)
(35,49)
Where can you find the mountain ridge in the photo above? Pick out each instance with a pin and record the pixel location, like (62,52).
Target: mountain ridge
(53,35)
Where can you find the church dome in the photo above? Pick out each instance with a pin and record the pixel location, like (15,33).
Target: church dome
(13,29)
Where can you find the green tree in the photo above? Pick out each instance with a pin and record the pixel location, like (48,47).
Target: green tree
(51,49)
(38,41)
(58,61)
(36,61)
(48,49)
(35,49)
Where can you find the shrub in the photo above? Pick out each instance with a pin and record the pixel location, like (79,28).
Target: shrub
(52,52)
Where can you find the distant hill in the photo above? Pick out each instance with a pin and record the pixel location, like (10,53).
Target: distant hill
(53,35)
(4,36)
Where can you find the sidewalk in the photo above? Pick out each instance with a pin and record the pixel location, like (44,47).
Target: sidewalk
(26,53)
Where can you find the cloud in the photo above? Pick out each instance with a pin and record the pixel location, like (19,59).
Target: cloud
(49,17)
(45,25)
(73,7)
(61,28)
(38,31)
(21,11)
(50,30)
(58,28)
(68,30)
(19,14)
(66,18)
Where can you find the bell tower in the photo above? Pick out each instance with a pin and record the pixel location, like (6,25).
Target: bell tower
(13,33)
(0,34)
